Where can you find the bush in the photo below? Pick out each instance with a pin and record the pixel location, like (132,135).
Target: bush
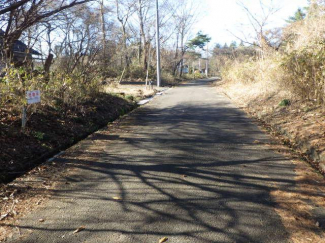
(129,97)
(167,78)
(59,89)
(298,67)
(15,84)
(267,70)
(136,72)
(306,69)
(285,102)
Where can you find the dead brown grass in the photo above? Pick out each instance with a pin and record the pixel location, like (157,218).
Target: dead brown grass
(138,91)
(296,207)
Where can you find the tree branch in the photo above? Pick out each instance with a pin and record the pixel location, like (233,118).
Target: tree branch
(13,6)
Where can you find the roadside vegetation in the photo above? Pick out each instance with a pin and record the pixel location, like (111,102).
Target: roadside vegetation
(290,59)
(279,77)
(73,48)
(83,56)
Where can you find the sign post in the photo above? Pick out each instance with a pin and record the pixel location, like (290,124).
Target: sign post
(24,117)
(32,97)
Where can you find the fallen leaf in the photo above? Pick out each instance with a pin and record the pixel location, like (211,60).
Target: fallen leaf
(2,217)
(163,240)
(117,198)
(81,228)
(13,193)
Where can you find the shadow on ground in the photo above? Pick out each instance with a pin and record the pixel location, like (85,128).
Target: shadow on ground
(193,173)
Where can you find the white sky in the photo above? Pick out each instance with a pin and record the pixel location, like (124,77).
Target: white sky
(219,16)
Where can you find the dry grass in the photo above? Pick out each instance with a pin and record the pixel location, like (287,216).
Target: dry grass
(296,207)
(307,32)
(297,67)
(247,94)
(138,91)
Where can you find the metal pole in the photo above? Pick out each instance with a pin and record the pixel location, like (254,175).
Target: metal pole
(158,46)
(207,62)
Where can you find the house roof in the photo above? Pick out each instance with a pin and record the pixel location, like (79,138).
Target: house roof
(20,47)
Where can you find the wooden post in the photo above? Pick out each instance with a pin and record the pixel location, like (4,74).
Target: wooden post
(24,117)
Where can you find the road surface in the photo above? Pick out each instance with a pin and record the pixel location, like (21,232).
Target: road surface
(185,166)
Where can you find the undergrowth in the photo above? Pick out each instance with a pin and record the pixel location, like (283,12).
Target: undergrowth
(297,67)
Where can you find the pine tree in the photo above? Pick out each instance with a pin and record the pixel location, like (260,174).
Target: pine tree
(298,16)
(199,41)
(218,46)
(233,45)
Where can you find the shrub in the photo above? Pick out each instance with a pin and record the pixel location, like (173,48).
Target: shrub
(306,69)
(167,78)
(136,72)
(129,97)
(59,89)
(41,136)
(285,102)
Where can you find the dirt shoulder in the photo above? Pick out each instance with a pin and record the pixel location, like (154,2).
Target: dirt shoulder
(51,129)
(302,123)
(297,132)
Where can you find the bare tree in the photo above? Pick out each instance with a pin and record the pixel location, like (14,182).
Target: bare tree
(184,19)
(263,36)
(124,10)
(10,5)
(18,16)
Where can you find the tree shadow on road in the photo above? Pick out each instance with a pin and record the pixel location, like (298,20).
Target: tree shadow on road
(190,173)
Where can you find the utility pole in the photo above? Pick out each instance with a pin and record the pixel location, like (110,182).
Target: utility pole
(158,45)
(207,62)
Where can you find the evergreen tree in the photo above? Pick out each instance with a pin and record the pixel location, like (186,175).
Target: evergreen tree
(199,41)
(233,45)
(298,16)
(218,46)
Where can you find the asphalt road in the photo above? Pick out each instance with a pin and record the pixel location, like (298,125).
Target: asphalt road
(185,166)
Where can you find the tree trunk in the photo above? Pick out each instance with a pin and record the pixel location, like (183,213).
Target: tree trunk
(47,66)
(102,20)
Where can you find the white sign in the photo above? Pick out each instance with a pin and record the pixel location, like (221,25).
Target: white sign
(33,96)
